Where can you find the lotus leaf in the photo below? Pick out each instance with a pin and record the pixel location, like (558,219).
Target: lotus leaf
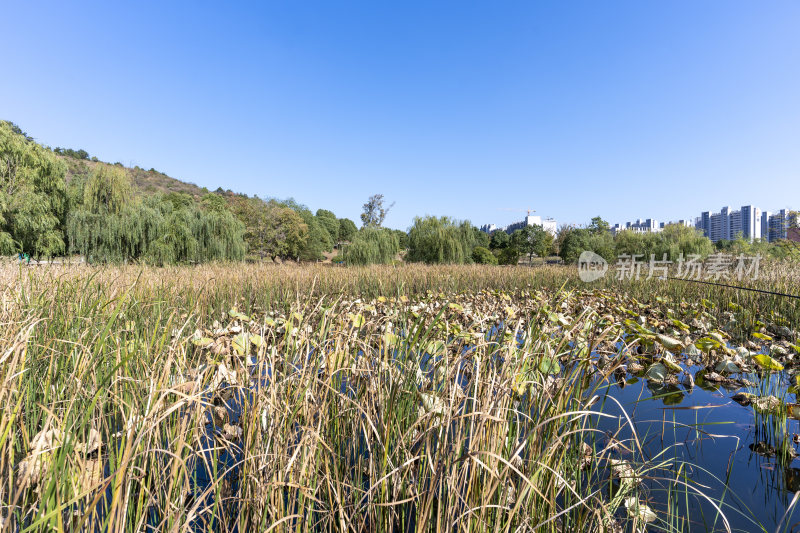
(656,372)
(727,366)
(767,362)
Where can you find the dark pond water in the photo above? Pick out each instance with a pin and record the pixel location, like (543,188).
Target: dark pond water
(729,450)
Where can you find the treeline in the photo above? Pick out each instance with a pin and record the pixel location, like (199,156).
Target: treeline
(101,216)
(287,230)
(75,154)
(673,241)
(108,222)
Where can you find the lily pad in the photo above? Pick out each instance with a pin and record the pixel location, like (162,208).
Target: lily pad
(706,344)
(357,320)
(241,344)
(236,315)
(670,363)
(203,342)
(767,362)
(743,398)
(766,404)
(433,404)
(727,366)
(638,510)
(678,324)
(692,351)
(549,365)
(656,371)
(622,470)
(671,344)
(777,349)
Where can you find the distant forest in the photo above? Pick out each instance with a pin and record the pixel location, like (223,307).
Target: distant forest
(60,201)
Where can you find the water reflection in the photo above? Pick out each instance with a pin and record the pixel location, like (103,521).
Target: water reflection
(742,458)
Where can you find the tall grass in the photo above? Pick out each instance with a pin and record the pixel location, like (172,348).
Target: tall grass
(352,399)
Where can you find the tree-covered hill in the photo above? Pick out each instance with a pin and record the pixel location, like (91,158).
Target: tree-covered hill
(60,201)
(145,181)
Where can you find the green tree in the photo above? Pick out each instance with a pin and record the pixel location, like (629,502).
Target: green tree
(219,234)
(347,229)
(154,230)
(673,241)
(33,199)
(677,239)
(371,245)
(508,256)
(318,241)
(374,211)
(483,256)
(286,232)
(331,224)
(180,200)
(632,243)
(440,240)
(17,130)
(107,190)
(480,238)
(598,226)
(272,229)
(532,240)
(402,238)
(499,240)
(212,202)
(575,241)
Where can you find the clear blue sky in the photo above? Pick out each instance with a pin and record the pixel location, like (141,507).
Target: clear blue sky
(467,109)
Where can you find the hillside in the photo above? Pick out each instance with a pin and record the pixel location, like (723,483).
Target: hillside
(57,201)
(145,181)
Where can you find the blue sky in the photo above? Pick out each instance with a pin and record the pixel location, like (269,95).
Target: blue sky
(476,110)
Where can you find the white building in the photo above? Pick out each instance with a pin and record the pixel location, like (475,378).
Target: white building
(549,225)
(751,222)
(648,225)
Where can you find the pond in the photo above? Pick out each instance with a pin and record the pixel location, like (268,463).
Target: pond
(742,459)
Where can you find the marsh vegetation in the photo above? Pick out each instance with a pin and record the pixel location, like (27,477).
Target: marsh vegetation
(413,398)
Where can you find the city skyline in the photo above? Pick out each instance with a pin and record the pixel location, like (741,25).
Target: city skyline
(749,221)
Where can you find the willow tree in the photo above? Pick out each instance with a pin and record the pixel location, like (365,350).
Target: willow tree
(7,244)
(440,240)
(371,245)
(219,235)
(107,190)
(105,226)
(114,225)
(32,195)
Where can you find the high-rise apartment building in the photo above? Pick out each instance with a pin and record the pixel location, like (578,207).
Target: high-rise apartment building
(748,222)
(705,223)
(765,225)
(751,222)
